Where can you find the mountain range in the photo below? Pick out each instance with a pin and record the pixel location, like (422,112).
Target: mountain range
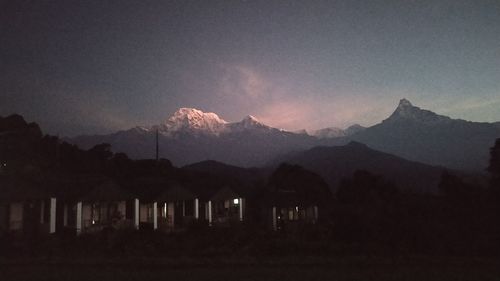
(191,136)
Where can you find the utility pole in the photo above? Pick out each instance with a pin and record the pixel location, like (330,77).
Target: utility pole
(157,147)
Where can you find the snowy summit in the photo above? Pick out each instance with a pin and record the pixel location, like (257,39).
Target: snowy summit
(194,120)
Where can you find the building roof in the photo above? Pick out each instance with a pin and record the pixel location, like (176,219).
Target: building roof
(225,193)
(107,191)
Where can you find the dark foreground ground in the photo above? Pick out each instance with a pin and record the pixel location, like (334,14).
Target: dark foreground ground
(353,268)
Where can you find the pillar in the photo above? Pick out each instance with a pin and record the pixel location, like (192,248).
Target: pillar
(155,215)
(240,200)
(209,212)
(196,208)
(136,213)
(52,218)
(275,223)
(79,218)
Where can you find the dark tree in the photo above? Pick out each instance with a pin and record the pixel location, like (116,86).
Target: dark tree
(306,184)
(102,151)
(365,187)
(454,188)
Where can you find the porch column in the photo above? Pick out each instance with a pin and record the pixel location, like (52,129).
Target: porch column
(78,218)
(52,215)
(315,213)
(65,215)
(240,200)
(275,225)
(42,211)
(196,208)
(209,212)
(136,213)
(155,215)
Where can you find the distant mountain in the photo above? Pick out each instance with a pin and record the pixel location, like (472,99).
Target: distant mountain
(191,136)
(421,135)
(334,132)
(354,129)
(337,162)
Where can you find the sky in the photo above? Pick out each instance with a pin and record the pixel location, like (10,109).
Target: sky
(97,66)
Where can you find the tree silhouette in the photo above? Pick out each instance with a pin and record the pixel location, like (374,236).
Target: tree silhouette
(307,185)
(365,187)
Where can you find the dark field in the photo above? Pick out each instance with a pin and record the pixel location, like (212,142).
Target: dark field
(305,269)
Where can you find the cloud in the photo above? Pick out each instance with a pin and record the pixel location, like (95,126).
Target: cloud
(239,81)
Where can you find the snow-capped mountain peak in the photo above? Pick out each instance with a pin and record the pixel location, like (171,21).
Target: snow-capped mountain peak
(194,120)
(251,118)
(249,122)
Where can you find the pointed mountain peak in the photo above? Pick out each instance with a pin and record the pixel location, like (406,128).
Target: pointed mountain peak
(405,103)
(407,111)
(249,122)
(250,118)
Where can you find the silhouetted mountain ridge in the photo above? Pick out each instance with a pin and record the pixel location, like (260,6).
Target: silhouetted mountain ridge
(337,162)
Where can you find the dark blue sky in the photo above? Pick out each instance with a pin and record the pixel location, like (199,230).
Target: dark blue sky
(99,66)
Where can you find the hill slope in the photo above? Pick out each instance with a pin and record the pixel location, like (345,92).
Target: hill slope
(337,162)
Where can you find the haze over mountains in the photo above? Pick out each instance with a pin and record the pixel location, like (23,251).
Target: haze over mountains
(191,135)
